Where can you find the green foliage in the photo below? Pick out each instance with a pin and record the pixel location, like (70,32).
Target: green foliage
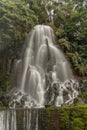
(70,117)
(50,108)
(78,124)
(16,20)
(38,7)
(64,119)
(78,63)
(2,106)
(71,23)
(65,44)
(5,84)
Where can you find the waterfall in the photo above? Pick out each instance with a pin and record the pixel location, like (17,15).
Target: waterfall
(43,76)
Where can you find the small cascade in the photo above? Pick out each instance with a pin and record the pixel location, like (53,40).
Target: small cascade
(8,120)
(2,127)
(26,119)
(36,127)
(30,120)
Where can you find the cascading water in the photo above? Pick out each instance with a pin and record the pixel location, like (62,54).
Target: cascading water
(8,120)
(30,120)
(43,73)
(42,77)
(22,119)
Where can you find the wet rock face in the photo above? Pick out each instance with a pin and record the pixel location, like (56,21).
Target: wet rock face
(5,100)
(57,93)
(68,89)
(82,99)
(82,85)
